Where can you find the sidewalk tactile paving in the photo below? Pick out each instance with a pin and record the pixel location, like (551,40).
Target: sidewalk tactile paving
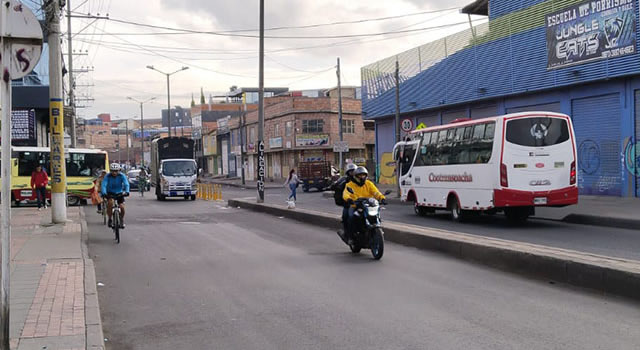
(58,306)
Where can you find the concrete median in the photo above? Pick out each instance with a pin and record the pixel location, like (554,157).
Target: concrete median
(608,275)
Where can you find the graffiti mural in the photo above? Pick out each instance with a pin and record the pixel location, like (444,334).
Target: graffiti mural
(597,164)
(632,162)
(387,170)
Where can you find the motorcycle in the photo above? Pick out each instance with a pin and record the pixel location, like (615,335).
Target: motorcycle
(369,233)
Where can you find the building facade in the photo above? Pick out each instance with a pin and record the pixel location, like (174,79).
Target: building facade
(570,56)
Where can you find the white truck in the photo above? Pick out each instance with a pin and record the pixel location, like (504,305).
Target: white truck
(173,169)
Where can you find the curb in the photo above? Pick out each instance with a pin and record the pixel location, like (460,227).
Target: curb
(244,187)
(580,219)
(607,275)
(94,335)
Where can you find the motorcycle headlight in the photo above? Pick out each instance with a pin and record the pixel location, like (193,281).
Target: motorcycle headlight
(373,202)
(373,211)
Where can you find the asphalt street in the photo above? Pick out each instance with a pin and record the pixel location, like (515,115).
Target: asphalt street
(197,275)
(614,242)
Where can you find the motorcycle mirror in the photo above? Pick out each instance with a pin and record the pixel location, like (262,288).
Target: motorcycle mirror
(350,190)
(387,192)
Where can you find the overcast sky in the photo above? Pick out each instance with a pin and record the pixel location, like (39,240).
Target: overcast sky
(219,62)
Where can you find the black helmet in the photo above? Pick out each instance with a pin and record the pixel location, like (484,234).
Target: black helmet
(359,171)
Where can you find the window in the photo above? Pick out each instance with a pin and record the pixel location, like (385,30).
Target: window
(84,164)
(537,132)
(369,126)
(312,126)
(252,134)
(276,130)
(462,145)
(288,128)
(348,126)
(27,162)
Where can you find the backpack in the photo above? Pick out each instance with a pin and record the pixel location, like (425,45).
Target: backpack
(338,188)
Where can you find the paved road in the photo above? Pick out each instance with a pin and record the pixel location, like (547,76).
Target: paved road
(606,241)
(195,275)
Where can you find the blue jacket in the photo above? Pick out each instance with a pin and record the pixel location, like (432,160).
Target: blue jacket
(116,185)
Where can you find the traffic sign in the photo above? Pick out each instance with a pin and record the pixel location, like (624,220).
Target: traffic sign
(341,146)
(421,126)
(24,34)
(406,125)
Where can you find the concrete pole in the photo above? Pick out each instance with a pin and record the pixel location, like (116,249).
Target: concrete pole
(340,114)
(142,133)
(261,160)
(243,115)
(5,213)
(397,125)
(72,84)
(56,117)
(126,126)
(168,105)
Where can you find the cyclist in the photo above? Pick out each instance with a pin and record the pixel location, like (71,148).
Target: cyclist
(115,184)
(142,179)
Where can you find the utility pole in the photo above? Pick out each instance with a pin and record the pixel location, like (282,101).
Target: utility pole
(397,125)
(141,123)
(261,160)
(56,117)
(340,112)
(72,101)
(168,93)
(126,126)
(119,147)
(243,115)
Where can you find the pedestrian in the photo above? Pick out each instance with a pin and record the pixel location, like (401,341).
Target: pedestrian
(39,181)
(293,182)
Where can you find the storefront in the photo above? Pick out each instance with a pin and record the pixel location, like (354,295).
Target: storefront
(518,62)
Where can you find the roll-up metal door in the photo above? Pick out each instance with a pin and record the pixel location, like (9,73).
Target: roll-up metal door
(633,153)
(598,137)
(448,117)
(429,121)
(547,107)
(484,112)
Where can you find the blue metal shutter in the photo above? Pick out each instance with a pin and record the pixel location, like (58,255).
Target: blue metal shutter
(598,137)
(448,117)
(429,121)
(548,107)
(484,112)
(633,154)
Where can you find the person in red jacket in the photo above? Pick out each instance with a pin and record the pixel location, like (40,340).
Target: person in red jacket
(39,181)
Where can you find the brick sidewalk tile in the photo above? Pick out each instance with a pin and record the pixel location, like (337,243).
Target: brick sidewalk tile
(58,307)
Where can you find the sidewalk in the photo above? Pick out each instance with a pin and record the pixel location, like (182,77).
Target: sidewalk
(53,301)
(237,182)
(620,212)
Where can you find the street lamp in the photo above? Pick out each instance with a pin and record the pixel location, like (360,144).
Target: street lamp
(141,123)
(168,92)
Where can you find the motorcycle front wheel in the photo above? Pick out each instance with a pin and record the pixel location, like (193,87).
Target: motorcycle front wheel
(377,244)
(355,248)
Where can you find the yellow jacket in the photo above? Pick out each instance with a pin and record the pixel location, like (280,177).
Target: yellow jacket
(367,190)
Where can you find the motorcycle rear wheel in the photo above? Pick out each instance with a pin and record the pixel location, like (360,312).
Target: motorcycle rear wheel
(377,244)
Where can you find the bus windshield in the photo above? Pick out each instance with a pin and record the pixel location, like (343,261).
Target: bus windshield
(179,168)
(537,132)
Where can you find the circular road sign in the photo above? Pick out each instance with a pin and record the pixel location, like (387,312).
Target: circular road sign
(406,125)
(23,32)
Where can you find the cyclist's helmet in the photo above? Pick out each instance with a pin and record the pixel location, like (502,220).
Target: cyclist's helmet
(360,175)
(351,168)
(114,167)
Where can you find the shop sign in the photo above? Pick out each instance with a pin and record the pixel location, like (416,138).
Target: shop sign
(23,125)
(308,140)
(223,125)
(275,142)
(589,31)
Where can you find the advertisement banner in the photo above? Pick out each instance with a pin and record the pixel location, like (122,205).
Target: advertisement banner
(23,125)
(57,167)
(275,142)
(312,140)
(589,31)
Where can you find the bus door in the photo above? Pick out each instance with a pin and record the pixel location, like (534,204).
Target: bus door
(404,153)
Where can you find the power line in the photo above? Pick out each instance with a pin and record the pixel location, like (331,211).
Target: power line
(177,31)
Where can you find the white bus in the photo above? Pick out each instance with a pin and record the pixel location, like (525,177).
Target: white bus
(511,163)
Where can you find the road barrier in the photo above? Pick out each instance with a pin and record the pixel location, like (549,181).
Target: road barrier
(209,192)
(615,276)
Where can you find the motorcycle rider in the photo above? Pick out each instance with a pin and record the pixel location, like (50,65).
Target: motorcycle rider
(114,184)
(338,189)
(360,187)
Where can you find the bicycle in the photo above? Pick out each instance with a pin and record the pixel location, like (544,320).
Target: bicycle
(103,211)
(142,185)
(115,214)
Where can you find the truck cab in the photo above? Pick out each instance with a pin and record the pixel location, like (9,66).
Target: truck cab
(178,178)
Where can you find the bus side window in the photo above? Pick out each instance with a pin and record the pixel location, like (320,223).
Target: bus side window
(456,146)
(476,144)
(487,142)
